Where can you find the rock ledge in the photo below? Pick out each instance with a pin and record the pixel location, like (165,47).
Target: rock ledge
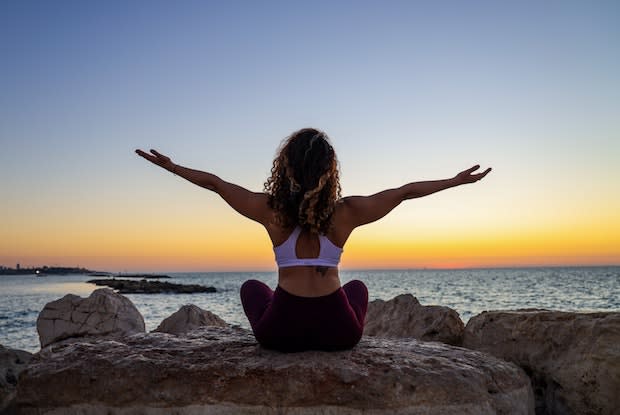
(224,371)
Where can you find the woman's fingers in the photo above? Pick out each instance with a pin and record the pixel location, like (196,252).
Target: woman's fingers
(143,154)
(472,169)
(157,159)
(160,156)
(479,176)
(468,175)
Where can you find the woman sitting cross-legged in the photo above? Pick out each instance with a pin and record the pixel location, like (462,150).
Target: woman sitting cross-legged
(308,223)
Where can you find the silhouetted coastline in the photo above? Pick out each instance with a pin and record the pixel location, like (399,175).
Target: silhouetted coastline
(45,270)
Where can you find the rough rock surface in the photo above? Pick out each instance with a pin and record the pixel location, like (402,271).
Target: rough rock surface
(404,316)
(104,313)
(12,362)
(573,359)
(188,318)
(223,370)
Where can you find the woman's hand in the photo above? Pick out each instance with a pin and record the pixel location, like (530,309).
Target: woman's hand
(158,158)
(467,176)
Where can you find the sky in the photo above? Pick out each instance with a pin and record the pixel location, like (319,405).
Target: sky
(406,90)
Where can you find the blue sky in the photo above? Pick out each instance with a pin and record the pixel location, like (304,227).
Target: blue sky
(406,90)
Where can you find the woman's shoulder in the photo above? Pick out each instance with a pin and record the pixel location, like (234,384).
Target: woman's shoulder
(344,206)
(340,228)
(279,233)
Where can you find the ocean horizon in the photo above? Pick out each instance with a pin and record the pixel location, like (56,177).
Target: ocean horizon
(469,291)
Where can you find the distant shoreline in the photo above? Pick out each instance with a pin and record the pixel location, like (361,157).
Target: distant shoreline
(42,271)
(45,270)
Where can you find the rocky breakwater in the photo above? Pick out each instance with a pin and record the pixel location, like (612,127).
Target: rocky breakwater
(222,370)
(573,359)
(151,287)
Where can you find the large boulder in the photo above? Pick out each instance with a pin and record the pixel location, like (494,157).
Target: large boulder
(404,316)
(12,362)
(103,314)
(215,370)
(188,318)
(573,359)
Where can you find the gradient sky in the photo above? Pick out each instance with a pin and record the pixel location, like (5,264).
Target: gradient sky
(407,91)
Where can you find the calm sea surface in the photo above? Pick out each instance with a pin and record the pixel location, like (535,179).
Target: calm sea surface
(469,292)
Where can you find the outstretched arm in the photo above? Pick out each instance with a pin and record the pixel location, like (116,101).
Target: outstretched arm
(250,204)
(360,210)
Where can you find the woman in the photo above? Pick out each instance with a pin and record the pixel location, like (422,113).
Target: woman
(308,223)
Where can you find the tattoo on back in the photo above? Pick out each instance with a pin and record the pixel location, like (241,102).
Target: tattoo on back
(322,270)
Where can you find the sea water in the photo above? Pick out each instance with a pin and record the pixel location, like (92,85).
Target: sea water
(468,291)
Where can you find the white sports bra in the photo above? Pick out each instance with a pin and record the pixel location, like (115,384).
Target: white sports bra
(329,254)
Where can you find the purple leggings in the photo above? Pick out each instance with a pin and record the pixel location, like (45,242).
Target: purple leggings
(289,323)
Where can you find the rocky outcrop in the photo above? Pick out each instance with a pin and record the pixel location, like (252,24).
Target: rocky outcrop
(101,362)
(573,359)
(151,287)
(12,362)
(141,276)
(105,313)
(188,318)
(223,370)
(405,317)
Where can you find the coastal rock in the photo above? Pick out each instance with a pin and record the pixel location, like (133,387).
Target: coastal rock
(404,317)
(151,287)
(104,313)
(12,362)
(189,317)
(223,370)
(573,359)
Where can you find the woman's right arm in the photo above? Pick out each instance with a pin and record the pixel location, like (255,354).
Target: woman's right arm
(250,204)
(360,210)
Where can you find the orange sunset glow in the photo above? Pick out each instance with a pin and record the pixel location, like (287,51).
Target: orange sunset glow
(406,93)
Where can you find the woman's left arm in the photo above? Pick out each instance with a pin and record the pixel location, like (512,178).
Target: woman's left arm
(252,205)
(360,210)
(421,189)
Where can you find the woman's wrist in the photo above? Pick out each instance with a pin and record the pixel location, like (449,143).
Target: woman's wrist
(457,180)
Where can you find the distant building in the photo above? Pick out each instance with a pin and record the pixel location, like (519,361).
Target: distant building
(17,266)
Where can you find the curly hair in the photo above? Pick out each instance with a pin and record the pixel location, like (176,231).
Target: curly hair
(304,186)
